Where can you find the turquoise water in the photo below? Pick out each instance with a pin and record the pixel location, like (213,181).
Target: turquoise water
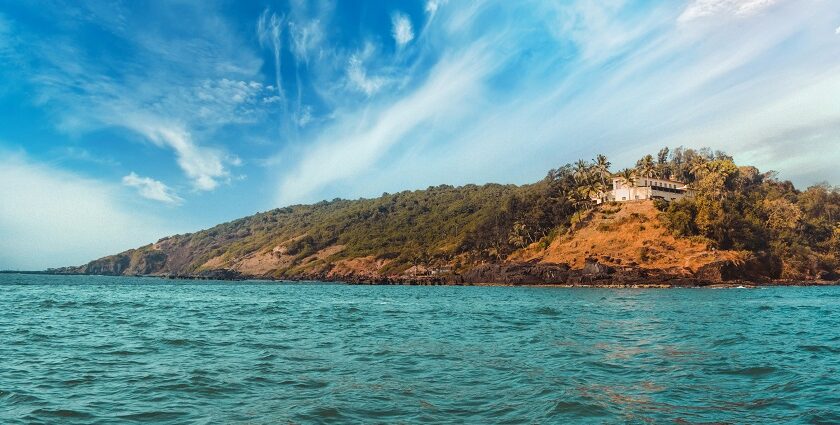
(91,350)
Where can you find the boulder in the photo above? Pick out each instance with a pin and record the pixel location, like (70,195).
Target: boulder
(592,267)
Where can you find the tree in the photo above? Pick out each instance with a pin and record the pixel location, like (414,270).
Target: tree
(590,191)
(601,169)
(714,176)
(662,156)
(628,177)
(582,171)
(646,167)
(697,167)
(519,235)
(662,165)
(782,215)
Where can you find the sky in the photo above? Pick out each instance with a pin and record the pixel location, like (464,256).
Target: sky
(122,122)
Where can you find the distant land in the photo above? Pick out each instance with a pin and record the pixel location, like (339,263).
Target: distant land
(730,225)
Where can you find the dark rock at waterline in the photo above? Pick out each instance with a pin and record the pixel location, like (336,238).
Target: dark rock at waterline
(222,274)
(759,268)
(516,273)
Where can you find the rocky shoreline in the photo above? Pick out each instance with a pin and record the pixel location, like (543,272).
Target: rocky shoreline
(594,274)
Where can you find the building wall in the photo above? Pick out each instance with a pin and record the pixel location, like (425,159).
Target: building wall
(648,188)
(631,194)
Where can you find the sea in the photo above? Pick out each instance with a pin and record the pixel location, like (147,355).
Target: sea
(102,350)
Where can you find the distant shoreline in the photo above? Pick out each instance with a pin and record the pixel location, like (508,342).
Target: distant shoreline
(693,283)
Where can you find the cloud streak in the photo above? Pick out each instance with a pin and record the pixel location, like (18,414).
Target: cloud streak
(354,143)
(152,189)
(270,32)
(357,74)
(709,8)
(205,167)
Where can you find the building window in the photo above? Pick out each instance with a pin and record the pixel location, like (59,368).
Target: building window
(623,198)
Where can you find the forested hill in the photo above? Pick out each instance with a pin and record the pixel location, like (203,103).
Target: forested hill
(448,231)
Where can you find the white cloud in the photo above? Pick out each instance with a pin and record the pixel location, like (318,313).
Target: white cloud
(50,217)
(837,31)
(306,37)
(204,166)
(358,78)
(270,31)
(432,6)
(707,8)
(218,102)
(304,116)
(152,189)
(401,30)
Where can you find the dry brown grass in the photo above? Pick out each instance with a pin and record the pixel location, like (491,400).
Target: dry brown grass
(633,235)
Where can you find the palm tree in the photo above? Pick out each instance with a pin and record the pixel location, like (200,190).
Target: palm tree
(646,166)
(602,168)
(581,173)
(628,177)
(581,196)
(592,190)
(519,235)
(698,166)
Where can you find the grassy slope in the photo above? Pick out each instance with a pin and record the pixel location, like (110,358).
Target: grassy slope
(625,235)
(273,244)
(392,230)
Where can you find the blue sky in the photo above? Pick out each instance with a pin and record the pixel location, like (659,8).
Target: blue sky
(122,122)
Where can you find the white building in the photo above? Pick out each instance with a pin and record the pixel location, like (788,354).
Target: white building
(646,188)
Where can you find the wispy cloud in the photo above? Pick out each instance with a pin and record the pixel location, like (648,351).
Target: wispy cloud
(355,142)
(150,188)
(204,166)
(401,29)
(431,10)
(305,37)
(358,78)
(73,153)
(708,8)
(270,32)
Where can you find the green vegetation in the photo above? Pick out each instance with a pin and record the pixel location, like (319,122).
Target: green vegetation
(432,226)
(741,208)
